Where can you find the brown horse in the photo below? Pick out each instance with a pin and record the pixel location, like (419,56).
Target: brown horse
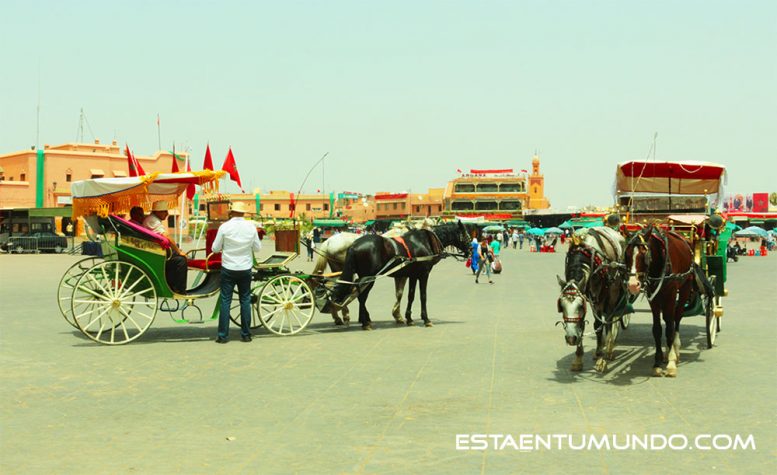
(661,264)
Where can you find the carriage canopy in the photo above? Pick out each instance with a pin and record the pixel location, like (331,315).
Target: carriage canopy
(104,196)
(674,178)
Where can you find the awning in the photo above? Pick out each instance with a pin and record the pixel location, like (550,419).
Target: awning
(329,223)
(119,173)
(50,212)
(96,172)
(676,178)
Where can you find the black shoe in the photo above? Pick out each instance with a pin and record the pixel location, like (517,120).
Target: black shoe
(245,338)
(221,340)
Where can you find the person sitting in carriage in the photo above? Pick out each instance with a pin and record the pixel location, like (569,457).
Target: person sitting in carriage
(175,267)
(137,215)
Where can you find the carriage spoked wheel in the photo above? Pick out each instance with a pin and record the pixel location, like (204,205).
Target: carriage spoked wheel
(68,282)
(114,302)
(711,321)
(234,309)
(285,305)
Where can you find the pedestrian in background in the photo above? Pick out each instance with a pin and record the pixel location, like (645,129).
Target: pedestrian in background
(486,257)
(237,240)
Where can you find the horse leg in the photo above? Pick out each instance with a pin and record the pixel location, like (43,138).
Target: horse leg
(399,289)
(659,358)
(612,335)
(577,363)
(410,299)
(422,281)
(364,315)
(674,342)
(336,317)
(602,334)
(599,338)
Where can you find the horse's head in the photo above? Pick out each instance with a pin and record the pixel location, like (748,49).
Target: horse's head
(637,260)
(463,241)
(571,305)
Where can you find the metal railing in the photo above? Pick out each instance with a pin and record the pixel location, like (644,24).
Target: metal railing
(22,244)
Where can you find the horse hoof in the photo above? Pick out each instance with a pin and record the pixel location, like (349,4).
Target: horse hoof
(577,367)
(410,323)
(399,321)
(657,372)
(428,324)
(338,321)
(601,365)
(367,327)
(671,372)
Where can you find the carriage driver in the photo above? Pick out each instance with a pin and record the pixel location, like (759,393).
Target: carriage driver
(237,239)
(175,267)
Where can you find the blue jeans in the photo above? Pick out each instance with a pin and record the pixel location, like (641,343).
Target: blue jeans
(230,278)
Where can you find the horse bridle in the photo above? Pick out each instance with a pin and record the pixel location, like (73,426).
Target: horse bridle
(643,277)
(571,295)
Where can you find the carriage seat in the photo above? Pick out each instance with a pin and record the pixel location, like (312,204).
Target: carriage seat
(214,262)
(132,229)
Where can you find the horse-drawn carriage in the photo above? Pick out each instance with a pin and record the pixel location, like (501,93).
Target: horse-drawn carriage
(671,248)
(681,198)
(113,300)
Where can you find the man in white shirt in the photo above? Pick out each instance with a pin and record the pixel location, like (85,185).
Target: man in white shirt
(237,239)
(176,265)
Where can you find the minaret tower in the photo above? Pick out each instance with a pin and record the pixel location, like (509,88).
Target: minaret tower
(537,198)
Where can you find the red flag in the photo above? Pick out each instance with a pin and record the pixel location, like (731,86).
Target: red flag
(230,167)
(133,171)
(208,165)
(189,189)
(134,166)
(292,205)
(175,168)
(458,170)
(524,171)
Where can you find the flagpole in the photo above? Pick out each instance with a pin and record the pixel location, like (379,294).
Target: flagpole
(158,131)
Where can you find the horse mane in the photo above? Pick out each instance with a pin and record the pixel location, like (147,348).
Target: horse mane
(573,270)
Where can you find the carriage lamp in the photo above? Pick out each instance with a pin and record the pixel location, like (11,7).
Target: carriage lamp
(716,221)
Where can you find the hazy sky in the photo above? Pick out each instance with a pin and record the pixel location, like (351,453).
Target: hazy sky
(402,93)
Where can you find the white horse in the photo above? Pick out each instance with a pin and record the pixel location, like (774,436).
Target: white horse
(332,252)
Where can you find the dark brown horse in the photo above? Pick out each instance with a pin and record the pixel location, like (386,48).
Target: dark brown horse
(660,263)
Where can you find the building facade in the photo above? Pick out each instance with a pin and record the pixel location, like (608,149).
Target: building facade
(41,178)
(496,193)
(409,205)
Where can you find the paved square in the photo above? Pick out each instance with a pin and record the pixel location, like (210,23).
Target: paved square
(341,400)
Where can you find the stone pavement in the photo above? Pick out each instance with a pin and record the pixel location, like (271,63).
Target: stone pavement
(341,400)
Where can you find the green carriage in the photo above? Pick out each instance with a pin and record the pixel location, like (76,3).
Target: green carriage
(114,299)
(682,197)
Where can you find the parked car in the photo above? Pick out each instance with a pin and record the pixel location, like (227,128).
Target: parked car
(40,241)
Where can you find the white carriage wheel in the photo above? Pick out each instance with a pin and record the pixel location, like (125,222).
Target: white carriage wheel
(114,302)
(234,309)
(285,305)
(68,282)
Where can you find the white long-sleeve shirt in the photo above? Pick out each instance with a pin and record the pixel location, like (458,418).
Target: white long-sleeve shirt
(236,240)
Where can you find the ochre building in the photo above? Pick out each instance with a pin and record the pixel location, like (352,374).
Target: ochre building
(496,193)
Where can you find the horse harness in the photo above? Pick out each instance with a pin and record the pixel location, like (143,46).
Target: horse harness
(666,275)
(601,263)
